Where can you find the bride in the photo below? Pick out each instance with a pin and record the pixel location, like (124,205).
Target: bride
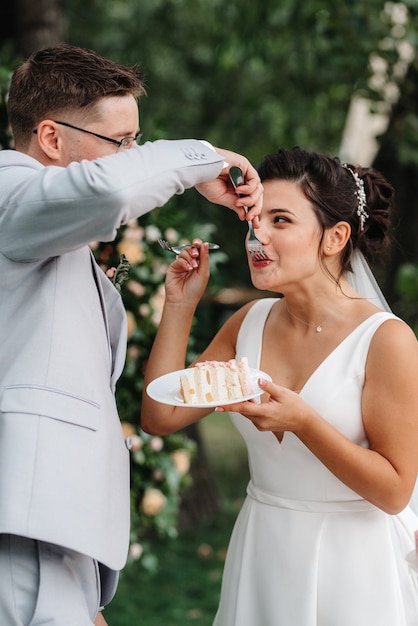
(325,536)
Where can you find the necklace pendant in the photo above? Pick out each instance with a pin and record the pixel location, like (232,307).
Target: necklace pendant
(319,329)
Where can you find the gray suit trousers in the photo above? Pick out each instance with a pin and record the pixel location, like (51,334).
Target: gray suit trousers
(45,584)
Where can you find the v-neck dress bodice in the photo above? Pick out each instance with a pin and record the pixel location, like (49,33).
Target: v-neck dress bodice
(306,550)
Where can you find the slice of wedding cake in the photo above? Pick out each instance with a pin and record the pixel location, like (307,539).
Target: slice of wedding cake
(216,381)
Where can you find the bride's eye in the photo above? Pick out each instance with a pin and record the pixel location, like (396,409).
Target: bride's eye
(278,219)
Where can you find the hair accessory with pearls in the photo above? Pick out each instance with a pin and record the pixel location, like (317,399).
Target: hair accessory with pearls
(361,197)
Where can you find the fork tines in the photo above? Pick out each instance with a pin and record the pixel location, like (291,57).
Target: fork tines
(258,255)
(255,247)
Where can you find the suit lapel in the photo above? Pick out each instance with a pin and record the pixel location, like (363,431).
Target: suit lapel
(114,317)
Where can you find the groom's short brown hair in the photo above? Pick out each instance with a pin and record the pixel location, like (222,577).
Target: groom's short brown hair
(63,79)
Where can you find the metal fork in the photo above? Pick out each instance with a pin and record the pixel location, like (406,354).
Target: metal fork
(177,249)
(254,245)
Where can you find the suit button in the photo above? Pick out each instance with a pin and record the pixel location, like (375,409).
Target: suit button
(189,155)
(194,156)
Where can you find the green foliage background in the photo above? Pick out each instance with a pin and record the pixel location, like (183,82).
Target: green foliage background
(253,76)
(249,77)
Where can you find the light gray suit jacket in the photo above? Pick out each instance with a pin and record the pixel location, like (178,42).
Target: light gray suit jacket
(64,475)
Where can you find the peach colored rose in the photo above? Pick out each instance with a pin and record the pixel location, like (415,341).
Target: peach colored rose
(158,475)
(131,323)
(205,550)
(128,429)
(132,353)
(132,250)
(181,460)
(153,501)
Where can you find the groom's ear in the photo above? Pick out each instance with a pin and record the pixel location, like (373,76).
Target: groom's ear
(336,237)
(48,142)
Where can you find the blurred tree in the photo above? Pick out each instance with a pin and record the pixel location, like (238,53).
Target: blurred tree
(26,26)
(5,136)
(398,158)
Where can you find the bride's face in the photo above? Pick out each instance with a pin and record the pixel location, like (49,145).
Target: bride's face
(290,233)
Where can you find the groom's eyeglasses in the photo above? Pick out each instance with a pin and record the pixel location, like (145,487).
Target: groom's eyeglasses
(125,142)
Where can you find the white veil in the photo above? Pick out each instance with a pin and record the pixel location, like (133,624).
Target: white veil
(363,281)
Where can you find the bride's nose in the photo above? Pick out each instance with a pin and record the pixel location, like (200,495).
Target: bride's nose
(261,233)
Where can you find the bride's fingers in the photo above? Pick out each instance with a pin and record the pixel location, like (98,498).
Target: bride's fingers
(191,257)
(185,262)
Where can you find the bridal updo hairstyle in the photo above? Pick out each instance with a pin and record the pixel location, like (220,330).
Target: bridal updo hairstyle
(331,188)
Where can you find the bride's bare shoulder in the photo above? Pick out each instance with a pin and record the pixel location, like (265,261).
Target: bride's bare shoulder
(394,341)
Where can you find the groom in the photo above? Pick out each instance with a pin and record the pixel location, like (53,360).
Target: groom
(76,176)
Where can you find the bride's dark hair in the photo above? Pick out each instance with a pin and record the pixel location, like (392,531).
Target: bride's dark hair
(332,190)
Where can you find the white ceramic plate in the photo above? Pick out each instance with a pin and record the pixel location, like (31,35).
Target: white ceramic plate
(166,389)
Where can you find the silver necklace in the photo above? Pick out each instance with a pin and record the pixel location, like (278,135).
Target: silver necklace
(318,328)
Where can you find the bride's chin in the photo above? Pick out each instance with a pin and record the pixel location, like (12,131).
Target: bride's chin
(263,285)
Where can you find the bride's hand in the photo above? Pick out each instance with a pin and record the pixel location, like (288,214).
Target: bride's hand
(282,410)
(187,276)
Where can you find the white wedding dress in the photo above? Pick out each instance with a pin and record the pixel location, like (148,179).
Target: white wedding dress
(306,550)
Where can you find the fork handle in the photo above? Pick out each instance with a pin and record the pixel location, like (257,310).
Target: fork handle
(250,224)
(236,177)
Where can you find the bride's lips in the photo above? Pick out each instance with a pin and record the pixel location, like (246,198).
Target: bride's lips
(262,263)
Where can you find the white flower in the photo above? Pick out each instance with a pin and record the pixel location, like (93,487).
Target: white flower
(171,235)
(158,267)
(135,551)
(152,233)
(156,444)
(136,443)
(136,288)
(144,310)
(157,303)
(133,231)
